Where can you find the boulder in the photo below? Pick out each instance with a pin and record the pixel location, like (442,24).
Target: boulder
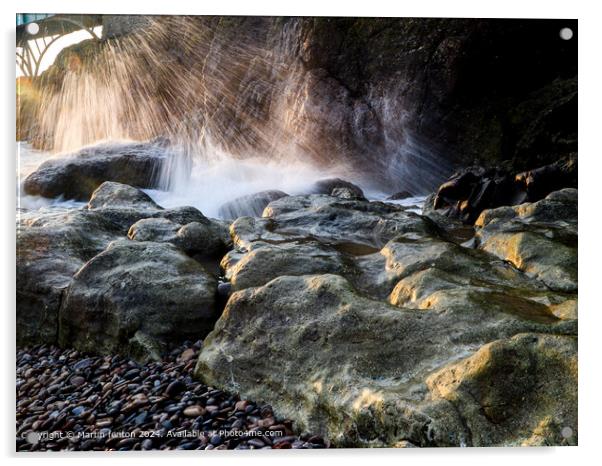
(53,244)
(117,195)
(154,229)
(334,220)
(264,262)
(51,247)
(206,238)
(355,369)
(77,175)
(124,205)
(137,292)
(249,205)
(318,234)
(470,191)
(338,188)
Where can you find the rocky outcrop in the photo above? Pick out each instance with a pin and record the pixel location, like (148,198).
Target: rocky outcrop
(339,220)
(53,245)
(204,238)
(518,391)
(137,298)
(77,176)
(354,369)
(124,205)
(403,100)
(539,238)
(369,308)
(470,191)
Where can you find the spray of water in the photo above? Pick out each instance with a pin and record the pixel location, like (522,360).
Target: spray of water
(242,113)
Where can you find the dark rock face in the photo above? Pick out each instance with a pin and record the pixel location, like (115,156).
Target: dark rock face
(250,205)
(135,297)
(78,175)
(470,191)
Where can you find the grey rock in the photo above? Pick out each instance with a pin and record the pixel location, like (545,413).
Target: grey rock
(250,205)
(51,247)
(76,176)
(131,287)
(336,220)
(338,188)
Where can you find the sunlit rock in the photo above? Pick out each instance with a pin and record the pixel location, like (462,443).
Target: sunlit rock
(519,391)
(265,262)
(352,368)
(539,238)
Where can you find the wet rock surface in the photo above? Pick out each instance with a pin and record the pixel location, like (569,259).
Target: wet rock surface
(386,325)
(364,324)
(470,191)
(51,247)
(76,176)
(68,400)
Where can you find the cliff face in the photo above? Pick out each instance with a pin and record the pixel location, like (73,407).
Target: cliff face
(488,90)
(402,98)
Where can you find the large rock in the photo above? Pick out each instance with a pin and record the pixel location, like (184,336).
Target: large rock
(538,238)
(76,176)
(203,238)
(124,205)
(356,369)
(136,297)
(338,188)
(470,191)
(264,262)
(51,247)
(320,234)
(335,220)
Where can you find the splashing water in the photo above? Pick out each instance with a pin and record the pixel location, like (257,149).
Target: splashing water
(243,115)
